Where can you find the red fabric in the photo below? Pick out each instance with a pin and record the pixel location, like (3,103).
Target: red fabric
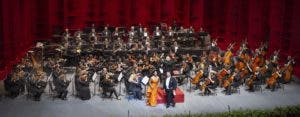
(23,22)
(161,98)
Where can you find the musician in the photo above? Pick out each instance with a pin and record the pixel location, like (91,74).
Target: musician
(170,85)
(274,59)
(214,46)
(288,70)
(175,47)
(37,86)
(82,86)
(255,79)
(145,33)
(190,32)
(132,32)
(77,36)
(156,36)
(157,33)
(106,32)
(116,32)
(140,31)
(202,35)
(65,37)
(168,64)
(109,87)
(170,32)
(135,85)
(106,43)
(93,36)
(162,46)
(15,83)
(61,85)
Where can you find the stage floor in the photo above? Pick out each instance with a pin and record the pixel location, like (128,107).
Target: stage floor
(194,103)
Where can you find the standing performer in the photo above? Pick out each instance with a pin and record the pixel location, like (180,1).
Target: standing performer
(152,90)
(170,86)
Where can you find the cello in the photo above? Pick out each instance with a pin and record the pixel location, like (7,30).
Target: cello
(197,78)
(228,55)
(271,82)
(288,70)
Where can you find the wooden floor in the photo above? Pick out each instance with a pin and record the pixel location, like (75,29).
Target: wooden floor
(194,103)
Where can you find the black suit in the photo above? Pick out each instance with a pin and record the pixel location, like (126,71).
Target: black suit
(61,88)
(169,90)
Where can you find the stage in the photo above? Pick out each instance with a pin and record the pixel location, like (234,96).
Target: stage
(193,102)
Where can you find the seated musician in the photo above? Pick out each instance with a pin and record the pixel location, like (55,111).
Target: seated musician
(109,86)
(135,85)
(140,30)
(93,38)
(214,46)
(106,32)
(202,35)
(190,31)
(15,83)
(210,82)
(78,38)
(145,33)
(132,32)
(254,80)
(182,30)
(61,85)
(82,86)
(170,32)
(37,86)
(66,36)
(157,33)
(116,32)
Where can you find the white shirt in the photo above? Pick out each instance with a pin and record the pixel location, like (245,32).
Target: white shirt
(168,82)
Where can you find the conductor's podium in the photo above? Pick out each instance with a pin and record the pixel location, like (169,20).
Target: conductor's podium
(161,98)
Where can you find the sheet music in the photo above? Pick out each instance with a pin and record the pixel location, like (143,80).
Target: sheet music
(176,48)
(94,76)
(120,76)
(145,80)
(50,77)
(161,70)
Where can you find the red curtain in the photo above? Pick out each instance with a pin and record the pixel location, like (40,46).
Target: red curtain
(23,22)
(16,32)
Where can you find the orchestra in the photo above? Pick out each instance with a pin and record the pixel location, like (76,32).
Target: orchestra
(165,55)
